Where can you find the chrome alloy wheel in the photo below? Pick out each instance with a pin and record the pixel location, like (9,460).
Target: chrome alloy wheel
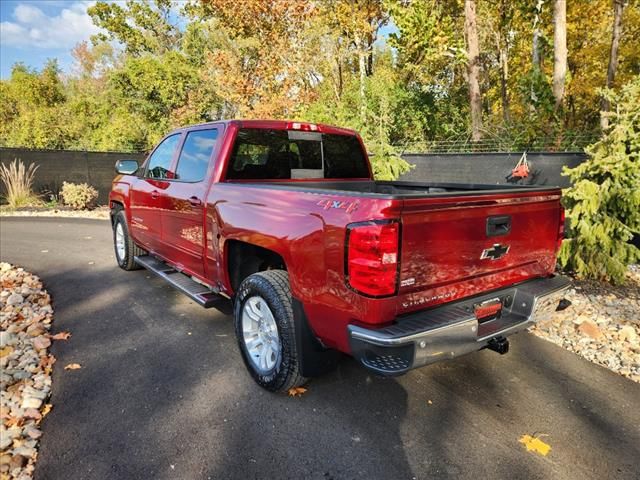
(260,334)
(120,246)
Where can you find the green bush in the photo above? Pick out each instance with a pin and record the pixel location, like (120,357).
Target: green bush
(603,205)
(79,196)
(18,180)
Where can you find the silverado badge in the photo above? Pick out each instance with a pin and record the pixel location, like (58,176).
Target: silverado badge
(495,252)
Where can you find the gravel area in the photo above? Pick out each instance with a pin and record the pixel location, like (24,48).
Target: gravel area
(25,369)
(101,213)
(602,324)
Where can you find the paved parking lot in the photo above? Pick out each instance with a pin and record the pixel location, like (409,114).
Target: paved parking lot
(162,393)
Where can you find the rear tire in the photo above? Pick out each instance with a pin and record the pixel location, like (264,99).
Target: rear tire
(124,246)
(265,330)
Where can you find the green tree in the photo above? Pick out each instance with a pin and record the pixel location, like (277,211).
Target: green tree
(604,201)
(141,26)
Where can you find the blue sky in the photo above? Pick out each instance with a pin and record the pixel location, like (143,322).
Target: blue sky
(31,31)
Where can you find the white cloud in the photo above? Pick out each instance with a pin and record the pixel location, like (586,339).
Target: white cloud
(32,28)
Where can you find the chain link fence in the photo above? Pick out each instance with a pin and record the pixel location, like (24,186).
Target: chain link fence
(565,143)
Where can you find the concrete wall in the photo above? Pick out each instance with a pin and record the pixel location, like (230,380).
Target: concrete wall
(57,166)
(489,168)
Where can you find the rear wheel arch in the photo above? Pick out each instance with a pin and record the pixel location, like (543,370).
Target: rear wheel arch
(244,259)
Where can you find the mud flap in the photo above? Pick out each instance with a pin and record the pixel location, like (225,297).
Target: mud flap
(315,360)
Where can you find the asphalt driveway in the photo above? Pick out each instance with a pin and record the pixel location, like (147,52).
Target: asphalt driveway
(163,394)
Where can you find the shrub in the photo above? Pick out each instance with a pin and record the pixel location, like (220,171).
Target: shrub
(78,196)
(603,205)
(18,180)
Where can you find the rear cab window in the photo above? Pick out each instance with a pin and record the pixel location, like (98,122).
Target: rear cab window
(195,156)
(270,154)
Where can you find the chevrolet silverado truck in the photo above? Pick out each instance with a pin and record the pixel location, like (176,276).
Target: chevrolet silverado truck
(320,259)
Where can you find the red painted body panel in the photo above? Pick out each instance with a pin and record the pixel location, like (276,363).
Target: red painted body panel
(442,238)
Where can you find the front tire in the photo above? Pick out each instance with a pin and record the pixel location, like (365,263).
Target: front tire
(124,246)
(265,330)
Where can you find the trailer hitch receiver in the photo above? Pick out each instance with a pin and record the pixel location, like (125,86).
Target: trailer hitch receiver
(499,344)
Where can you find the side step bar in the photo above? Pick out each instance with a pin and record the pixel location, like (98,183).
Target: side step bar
(199,293)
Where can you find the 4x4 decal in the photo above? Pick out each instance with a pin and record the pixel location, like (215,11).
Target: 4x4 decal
(349,207)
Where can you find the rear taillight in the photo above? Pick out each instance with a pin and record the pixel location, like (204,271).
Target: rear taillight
(372,257)
(560,228)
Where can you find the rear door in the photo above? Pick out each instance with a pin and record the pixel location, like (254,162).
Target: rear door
(147,194)
(454,247)
(183,220)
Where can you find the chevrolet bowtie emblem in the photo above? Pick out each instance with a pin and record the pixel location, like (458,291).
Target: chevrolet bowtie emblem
(495,252)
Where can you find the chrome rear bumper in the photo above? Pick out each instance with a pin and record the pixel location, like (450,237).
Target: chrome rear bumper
(452,330)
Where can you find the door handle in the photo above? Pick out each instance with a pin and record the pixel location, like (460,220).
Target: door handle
(195,201)
(154,194)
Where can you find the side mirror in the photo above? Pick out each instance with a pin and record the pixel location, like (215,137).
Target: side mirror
(126,167)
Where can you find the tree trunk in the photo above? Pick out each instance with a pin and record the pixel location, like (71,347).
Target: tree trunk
(536,56)
(504,77)
(503,57)
(475,99)
(362,70)
(559,50)
(618,7)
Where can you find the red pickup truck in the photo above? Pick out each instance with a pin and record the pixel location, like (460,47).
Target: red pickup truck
(285,219)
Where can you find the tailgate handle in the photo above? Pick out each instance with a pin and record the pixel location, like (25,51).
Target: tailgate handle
(497,226)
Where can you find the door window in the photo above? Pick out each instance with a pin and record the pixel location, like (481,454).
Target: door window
(160,160)
(195,155)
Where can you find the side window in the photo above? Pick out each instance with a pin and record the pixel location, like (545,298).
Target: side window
(160,160)
(195,155)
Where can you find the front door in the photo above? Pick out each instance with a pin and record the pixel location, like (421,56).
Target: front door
(148,197)
(183,219)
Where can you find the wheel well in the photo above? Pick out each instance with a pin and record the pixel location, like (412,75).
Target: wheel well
(115,207)
(244,259)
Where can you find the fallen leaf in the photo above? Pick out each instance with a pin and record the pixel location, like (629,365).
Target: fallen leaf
(47,361)
(297,391)
(46,409)
(72,366)
(11,421)
(6,351)
(534,444)
(61,336)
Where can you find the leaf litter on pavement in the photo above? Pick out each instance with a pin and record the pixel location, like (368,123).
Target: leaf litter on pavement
(297,391)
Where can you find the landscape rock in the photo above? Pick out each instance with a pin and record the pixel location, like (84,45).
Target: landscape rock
(590,329)
(14,299)
(601,324)
(628,333)
(25,369)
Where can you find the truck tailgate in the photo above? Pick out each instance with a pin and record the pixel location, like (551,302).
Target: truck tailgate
(454,247)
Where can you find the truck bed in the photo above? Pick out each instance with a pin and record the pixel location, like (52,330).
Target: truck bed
(397,190)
